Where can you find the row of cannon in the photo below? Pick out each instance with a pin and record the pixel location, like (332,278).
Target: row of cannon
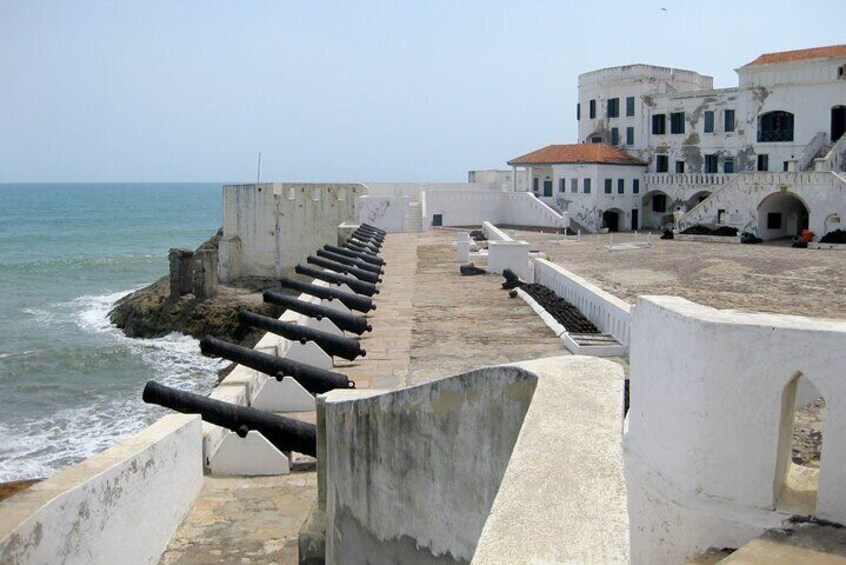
(357,265)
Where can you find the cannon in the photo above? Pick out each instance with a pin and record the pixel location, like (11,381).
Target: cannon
(344,260)
(347,322)
(374,228)
(366,257)
(360,274)
(366,242)
(360,287)
(313,379)
(355,246)
(369,236)
(351,301)
(286,434)
(332,344)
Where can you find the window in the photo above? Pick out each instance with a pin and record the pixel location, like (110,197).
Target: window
(615,136)
(709,122)
(437,219)
(841,72)
(596,140)
(629,136)
(679,167)
(728,165)
(578,112)
(763,162)
(677,122)
(621,186)
(574,185)
(775,126)
(774,221)
(592,109)
(547,188)
(785,165)
(721,216)
(607,186)
(613,107)
(586,186)
(659,202)
(535,185)
(710,163)
(662,163)
(630,106)
(636,186)
(562,185)
(659,124)
(729,120)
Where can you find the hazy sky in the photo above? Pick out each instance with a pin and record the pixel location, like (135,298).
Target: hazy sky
(349,90)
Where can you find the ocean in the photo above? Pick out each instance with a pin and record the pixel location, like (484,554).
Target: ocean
(70,382)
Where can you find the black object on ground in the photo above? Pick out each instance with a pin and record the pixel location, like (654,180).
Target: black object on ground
(747,237)
(470,270)
(477,235)
(347,322)
(512,294)
(286,434)
(332,344)
(699,229)
(511,280)
(351,301)
(313,379)
(836,236)
(564,313)
(668,234)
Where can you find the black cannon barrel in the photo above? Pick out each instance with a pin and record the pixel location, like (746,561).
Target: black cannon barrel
(313,379)
(330,343)
(351,301)
(347,322)
(351,261)
(374,228)
(286,434)
(369,236)
(366,242)
(357,286)
(366,257)
(355,246)
(360,274)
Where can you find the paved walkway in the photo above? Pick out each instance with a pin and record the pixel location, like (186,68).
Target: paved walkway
(429,323)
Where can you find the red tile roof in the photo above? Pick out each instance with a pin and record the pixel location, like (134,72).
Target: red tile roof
(800,55)
(577,153)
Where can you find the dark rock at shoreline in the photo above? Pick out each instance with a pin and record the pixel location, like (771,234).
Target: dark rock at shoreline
(151,312)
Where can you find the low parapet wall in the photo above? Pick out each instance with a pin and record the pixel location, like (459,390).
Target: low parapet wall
(120,506)
(610,314)
(439,472)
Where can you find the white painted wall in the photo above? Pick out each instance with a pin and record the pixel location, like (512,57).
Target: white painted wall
(471,208)
(120,506)
(270,227)
(607,312)
(389,213)
(706,426)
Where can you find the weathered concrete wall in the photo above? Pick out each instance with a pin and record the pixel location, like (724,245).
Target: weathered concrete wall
(389,213)
(120,506)
(473,207)
(410,476)
(270,227)
(205,275)
(181,271)
(563,496)
(711,416)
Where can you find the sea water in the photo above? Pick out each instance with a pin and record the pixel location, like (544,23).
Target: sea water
(70,382)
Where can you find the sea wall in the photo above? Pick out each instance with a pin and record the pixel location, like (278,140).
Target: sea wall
(270,227)
(442,472)
(119,506)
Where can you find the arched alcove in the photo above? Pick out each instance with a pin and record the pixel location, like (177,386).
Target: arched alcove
(782,214)
(800,447)
(775,126)
(611,219)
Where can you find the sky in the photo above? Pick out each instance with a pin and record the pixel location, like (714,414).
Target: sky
(192,91)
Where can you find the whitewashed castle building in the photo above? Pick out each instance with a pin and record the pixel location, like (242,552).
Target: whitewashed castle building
(766,157)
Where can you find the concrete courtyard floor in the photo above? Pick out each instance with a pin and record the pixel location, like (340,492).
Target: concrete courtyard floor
(770,277)
(430,323)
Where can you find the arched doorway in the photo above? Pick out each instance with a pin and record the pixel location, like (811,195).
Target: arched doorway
(781,214)
(838,122)
(656,209)
(697,199)
(611,219)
